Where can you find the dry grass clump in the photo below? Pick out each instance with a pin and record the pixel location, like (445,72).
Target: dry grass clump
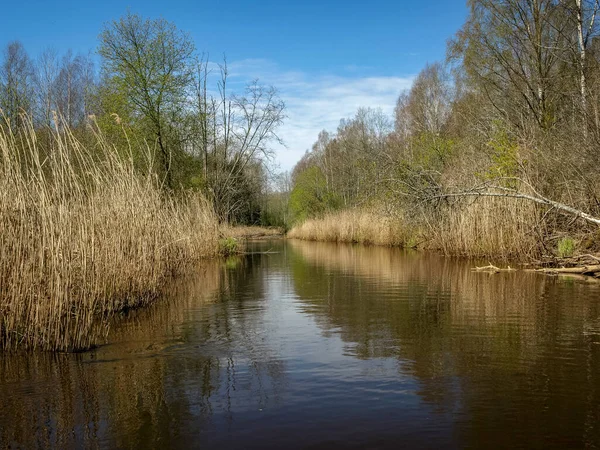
(249,232)
(503,228)
(353,225)
(84,236)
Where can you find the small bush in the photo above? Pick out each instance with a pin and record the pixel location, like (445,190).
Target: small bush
(566,247)
(228,246)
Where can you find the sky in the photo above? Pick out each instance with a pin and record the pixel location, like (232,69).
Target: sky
(326,58)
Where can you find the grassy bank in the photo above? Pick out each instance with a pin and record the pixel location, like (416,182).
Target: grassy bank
(490,227)
(354,225)
(500,228)
(84,235)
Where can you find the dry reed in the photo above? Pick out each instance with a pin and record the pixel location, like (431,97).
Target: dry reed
(84,236)
(500,228)
(249,232)
(353,225)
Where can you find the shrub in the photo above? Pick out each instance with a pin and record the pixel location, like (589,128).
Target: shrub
(228,246)
(566,247)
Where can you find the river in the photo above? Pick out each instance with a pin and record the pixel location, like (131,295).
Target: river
(318,345)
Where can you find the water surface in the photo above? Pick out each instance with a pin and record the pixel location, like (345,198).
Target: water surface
(316,345)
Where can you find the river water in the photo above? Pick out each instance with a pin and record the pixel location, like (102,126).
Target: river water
(316,345)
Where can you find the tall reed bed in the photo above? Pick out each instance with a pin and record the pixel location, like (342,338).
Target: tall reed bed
(353,225)
(496,227)
(490,227)
(84,235)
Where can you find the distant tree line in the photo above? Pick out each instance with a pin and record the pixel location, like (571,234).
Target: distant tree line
(153,93)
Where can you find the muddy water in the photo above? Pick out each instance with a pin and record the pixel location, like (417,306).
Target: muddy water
(318,345)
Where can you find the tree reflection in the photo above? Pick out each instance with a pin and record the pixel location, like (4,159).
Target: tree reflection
(510,359)
(510,351)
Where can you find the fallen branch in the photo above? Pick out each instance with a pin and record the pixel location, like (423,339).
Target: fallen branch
(484,191)
(583,270)
(493,269)
(588,256)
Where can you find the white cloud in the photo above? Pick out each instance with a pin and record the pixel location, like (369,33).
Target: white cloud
(316,102)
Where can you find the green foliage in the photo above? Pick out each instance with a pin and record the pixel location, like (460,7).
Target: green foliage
(119,126)
(431,151)
(310,196)
(149,67)
(504,155)
(276,211)
(150,60)
(228,246)
(566,247)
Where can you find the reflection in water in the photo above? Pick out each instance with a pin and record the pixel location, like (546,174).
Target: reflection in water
(166,366)
(325,345)
(514,356)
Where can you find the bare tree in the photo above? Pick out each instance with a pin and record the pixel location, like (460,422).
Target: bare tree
(513,50)
(46,73)
(236,133)
(16,83)
(72,87)
(584,14)
(429,101)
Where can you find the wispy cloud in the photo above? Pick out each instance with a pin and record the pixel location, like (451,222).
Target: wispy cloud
(317,102)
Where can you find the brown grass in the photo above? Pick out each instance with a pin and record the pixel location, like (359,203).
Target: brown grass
(353,225)
(249,232)
(84,236)
(498,228)
(502,228)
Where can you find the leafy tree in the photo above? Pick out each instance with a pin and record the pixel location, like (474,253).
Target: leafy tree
(150,62)
(310,197)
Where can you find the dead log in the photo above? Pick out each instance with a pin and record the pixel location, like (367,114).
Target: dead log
(583,270)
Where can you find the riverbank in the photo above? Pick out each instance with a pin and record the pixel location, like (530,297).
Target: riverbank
(355,226)
(503,229)
(250,232)
(85,236)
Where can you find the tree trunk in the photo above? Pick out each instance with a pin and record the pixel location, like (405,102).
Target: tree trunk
(582,55)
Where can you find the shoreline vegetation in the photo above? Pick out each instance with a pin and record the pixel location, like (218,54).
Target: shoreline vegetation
(246,232)
(354,226)
(87,235)
(470,233)
(84,237)
(117,177)
(492,152)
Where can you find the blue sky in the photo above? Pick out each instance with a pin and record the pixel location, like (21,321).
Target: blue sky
(327,58)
